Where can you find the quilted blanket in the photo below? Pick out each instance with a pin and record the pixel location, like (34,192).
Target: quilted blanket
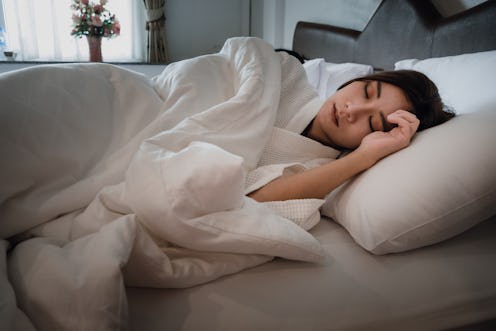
(110,179)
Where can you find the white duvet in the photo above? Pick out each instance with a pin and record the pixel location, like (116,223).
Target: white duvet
(109,179)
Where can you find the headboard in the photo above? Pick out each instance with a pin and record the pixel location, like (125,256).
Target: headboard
(400,30)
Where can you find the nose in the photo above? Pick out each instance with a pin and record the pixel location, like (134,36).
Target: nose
(353,111)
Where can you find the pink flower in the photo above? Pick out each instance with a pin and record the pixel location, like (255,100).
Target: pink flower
(93,19)
(116,29)
(96,21)
(98,9)
(76,19)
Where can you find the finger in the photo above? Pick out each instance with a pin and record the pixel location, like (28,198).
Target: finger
(400,112)
(404,114)
(405,125)
(404,119)
(400,119)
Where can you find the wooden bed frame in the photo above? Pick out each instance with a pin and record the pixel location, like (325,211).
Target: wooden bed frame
(400,30)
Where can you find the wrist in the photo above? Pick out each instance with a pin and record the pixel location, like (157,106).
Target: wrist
(363,158)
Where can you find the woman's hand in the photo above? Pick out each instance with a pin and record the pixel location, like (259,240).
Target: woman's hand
(377,145)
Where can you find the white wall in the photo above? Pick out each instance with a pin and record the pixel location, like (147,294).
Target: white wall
(196,27)
(256,12)
(273,22)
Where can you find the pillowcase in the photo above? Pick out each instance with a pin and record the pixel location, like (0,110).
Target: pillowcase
(313,69)
(441,185)
(466,82)
(327,77)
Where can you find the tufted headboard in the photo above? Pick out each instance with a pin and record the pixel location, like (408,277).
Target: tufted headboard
(400,30)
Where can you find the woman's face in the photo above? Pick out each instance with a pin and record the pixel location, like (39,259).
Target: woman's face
(355,111)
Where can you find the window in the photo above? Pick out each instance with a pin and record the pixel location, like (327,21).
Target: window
(39,30)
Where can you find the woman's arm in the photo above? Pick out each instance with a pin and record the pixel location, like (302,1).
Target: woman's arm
(313,183)
(320,181)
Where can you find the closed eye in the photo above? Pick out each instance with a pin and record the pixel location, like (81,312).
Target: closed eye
(384,125)
(370,124)
(365,90)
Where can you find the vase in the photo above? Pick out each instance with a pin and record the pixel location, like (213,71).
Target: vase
(95,47)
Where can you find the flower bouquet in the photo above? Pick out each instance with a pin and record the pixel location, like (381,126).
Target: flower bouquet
(93,20)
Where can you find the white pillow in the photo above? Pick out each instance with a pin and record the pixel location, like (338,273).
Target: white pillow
(313,69)
(327,77)
(438,187)
(466,82)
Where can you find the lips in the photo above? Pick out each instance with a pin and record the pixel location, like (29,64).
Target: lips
(334,115)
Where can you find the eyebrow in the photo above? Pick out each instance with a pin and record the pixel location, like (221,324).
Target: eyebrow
(379,89)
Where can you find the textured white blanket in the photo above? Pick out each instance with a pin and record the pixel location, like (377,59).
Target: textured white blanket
(109,179)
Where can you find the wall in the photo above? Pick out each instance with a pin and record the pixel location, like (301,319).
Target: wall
(2,22)
(272,21)
(196,27)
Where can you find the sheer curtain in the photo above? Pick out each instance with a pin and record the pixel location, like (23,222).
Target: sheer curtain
(39,30)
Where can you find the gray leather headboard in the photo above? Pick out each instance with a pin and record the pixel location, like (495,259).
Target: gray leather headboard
(399,30)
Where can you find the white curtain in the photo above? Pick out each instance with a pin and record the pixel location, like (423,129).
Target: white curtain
(39,30)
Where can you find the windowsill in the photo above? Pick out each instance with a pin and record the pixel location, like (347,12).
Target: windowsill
(147,69)
(2,61)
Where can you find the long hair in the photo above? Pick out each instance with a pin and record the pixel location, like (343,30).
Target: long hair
(419,90)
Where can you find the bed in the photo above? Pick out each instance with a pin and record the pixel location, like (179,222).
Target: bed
(86,244)
(445,286)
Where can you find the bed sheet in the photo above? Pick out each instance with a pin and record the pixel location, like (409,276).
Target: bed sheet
(444,286)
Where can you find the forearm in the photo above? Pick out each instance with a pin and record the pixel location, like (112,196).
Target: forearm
(316,182)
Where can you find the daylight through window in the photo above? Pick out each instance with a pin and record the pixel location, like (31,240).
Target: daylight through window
(39,30)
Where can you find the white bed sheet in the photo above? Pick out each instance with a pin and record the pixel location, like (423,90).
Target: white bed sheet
(443,286)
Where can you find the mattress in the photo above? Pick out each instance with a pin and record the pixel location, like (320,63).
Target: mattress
(447,285)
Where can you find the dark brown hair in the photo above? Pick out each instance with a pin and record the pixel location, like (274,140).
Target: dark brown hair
(419,90)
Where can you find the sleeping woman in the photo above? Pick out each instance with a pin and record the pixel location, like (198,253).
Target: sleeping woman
(371,117)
